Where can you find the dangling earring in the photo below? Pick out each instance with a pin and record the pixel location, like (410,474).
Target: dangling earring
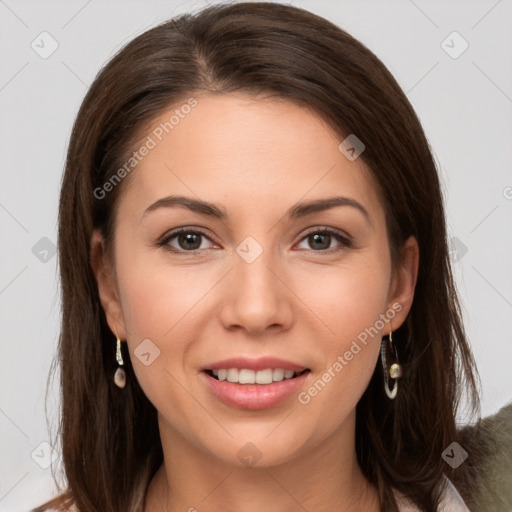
(120,375)
(394,371)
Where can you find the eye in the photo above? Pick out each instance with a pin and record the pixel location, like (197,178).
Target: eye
(188,241)
(320,240)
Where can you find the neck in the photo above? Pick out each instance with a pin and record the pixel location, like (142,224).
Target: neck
(326,478)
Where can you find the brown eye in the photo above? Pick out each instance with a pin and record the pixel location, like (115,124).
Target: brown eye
(186,241)
(189,241)
(321,240)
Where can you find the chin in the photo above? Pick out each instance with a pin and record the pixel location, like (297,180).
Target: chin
(263,449)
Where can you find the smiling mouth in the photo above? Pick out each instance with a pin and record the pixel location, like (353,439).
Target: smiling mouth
(246,376)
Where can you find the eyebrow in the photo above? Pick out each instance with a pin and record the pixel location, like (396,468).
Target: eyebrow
(295,212)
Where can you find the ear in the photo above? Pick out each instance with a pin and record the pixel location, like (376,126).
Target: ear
(403,282)
(107,286)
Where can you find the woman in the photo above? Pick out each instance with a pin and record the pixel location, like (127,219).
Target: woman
(306,351)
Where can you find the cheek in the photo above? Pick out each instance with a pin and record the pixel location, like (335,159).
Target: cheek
(352,303)
(158,301)
(336,305)
(347,299)
(157,295)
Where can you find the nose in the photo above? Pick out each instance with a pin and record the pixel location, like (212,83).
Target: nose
(258,298)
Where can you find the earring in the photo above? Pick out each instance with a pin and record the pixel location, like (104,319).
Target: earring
(394,371)
(120,375)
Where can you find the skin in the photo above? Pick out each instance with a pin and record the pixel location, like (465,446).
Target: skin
(255,158)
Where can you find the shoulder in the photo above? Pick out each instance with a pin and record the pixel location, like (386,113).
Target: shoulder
(61,503)
(451,501)
(48,508)
(489,443)
(43,508)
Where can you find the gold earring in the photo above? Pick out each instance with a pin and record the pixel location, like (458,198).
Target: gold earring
(120,375)
(394,371)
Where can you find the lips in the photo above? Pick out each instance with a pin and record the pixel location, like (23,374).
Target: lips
(261,363)
(254,383)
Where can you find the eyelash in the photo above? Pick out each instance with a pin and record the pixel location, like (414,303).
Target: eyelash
(345,241)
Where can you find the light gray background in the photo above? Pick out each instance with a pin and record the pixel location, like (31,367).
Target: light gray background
(465,105)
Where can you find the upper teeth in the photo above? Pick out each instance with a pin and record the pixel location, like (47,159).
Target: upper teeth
(245,376)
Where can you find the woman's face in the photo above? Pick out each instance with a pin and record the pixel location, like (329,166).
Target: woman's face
(257,273)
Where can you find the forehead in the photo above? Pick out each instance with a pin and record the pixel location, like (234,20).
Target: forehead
(253,154)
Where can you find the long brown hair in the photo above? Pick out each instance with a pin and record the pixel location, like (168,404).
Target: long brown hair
(110,440)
